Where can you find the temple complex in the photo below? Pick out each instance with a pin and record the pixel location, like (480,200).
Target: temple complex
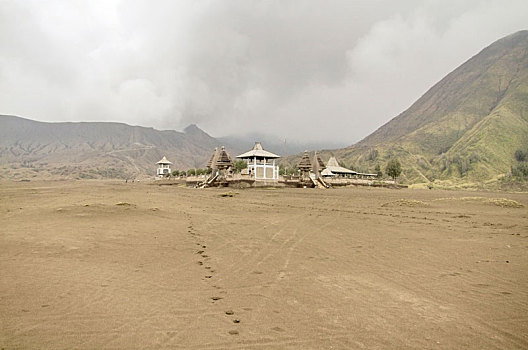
(262,171)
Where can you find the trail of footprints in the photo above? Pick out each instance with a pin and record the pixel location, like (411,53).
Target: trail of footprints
(204,261)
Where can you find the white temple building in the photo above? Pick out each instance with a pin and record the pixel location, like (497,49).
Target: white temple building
(261,164)
(163,167)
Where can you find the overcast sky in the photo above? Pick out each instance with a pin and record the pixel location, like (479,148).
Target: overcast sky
(301,70)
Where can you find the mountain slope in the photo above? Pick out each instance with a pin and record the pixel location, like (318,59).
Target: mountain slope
(466,127)
(30,149)
(93,150)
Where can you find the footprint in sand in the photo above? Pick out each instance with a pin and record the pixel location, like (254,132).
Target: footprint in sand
(230,312)
(233,332)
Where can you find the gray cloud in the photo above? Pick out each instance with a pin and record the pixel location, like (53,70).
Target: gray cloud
(313,70)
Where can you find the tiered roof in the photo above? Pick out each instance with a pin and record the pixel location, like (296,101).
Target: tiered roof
(305,164)
(224,160)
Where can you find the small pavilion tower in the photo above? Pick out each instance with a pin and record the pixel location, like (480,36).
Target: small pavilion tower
(261,164)
(163,167)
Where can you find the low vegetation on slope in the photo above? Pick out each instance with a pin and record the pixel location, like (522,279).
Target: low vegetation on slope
(465,129)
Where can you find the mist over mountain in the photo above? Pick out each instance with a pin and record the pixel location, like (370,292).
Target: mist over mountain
(30,149)
(466,127)
(96,149)
(307,70)
(274,144)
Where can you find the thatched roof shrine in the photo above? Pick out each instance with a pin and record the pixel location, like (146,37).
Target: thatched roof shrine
(211,164)
(305,164)
(224,160)
(333,168)
(317,164)
(317,160)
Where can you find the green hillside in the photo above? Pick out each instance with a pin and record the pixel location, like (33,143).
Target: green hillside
(465,129)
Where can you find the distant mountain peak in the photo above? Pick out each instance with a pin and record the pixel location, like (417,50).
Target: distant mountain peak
(193,129)
(95,149)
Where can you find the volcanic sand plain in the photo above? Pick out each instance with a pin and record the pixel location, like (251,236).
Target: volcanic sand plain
(115,265)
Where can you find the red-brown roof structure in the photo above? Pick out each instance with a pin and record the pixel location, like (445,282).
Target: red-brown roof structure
(224,160)
(305,164)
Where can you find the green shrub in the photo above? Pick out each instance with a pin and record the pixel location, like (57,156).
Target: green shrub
(393,168)
(520,170)
(520,156)
(240,165)
(378,171)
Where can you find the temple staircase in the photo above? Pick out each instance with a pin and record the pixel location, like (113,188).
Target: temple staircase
(320,183)
(208,182)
